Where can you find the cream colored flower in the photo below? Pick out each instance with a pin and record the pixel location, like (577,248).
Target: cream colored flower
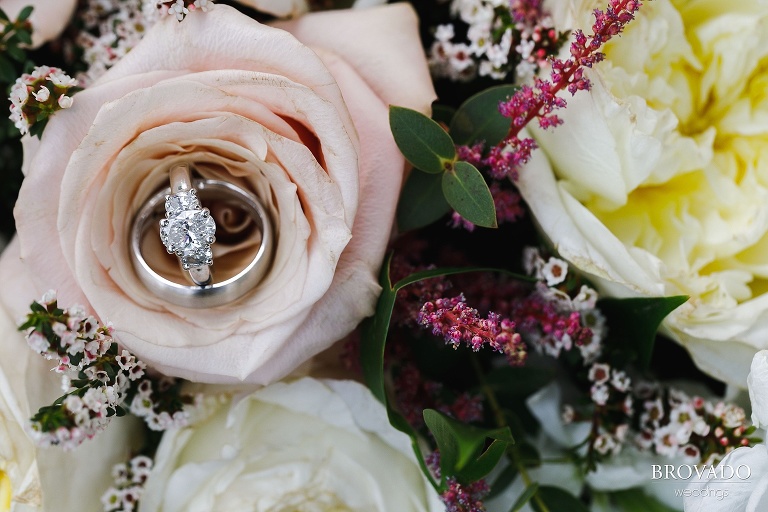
(305,445)
(658,182)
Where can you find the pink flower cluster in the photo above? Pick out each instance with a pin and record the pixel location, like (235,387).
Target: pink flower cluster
(541,100)
(458,323)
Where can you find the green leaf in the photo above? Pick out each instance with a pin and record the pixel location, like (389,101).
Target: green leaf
(25,13)
(443,113)
(422,141)
(461,446)
(36,130)
(24,36)
(504,480)
(16,53)
(525,497)
(374,335)
(632,323)
(635,500)
(7,70)
(557,500)
(467,192)
(479,119)
(4,16)
(421,202)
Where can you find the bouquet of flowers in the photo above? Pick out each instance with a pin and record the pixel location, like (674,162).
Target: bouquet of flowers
(436,255)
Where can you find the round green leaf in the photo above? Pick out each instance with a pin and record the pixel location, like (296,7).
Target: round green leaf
(479,119)
(421,202)
(467,192)
(422,141)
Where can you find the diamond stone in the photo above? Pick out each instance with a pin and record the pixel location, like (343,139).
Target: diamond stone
(181,201)
(188,234)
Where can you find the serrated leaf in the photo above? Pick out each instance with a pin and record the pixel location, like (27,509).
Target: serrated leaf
(461,446)
(423,142)
(479,119)
(421,202)
(467,192)
(557,499)
(633,322)
(525,497)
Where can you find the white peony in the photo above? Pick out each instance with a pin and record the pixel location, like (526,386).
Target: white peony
(657,182)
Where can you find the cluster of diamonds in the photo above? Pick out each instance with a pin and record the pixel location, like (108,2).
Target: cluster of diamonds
(188,230)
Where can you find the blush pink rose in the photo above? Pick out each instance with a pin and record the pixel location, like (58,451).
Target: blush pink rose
(301,121)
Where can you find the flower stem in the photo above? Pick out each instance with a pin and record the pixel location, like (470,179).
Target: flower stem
(498,414)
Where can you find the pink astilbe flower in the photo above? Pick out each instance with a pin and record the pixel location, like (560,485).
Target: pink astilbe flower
(458,323)
(541,100)
(465,497)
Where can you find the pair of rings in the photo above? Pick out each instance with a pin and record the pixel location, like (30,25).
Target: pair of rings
(188,230)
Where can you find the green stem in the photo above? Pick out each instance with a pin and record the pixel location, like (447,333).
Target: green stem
(498,415)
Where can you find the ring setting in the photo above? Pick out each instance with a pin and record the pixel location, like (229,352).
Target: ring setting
(187,230)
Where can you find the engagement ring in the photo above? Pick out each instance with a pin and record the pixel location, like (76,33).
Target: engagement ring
(188,230)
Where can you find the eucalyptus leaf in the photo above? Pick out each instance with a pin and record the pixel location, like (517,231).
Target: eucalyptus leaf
(421,202)
(423,142)
(633,322)
(478,118)
(467,192)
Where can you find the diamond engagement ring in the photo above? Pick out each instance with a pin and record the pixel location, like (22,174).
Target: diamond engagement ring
(188,230)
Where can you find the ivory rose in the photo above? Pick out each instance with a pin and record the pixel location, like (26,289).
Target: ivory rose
(43,479)
(48,19)
(304,125)
(304,445)
(657,182)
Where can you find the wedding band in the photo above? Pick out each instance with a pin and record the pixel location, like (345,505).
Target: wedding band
(187,229)
(214,293)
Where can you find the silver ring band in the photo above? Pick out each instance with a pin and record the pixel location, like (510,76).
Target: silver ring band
(212,294)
